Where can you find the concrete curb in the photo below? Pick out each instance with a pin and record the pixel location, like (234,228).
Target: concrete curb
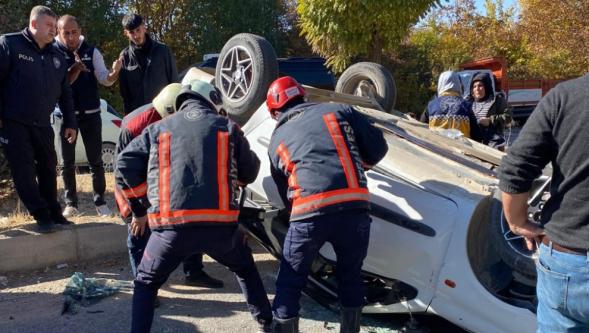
(25,250)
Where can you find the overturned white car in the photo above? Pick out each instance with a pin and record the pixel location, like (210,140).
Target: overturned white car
(439,243)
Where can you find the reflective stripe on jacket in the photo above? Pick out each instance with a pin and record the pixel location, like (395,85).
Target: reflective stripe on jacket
(188,166)
(132,125)
(318,153)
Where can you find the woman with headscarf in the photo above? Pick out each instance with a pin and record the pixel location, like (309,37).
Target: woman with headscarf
(490,110)
(449,110)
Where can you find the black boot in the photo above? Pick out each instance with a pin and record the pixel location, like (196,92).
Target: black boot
(264,326)
(290,325)
(57,215)
(202,279)
(350,320)
(44,224)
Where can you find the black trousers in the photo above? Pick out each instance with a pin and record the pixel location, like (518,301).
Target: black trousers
(30,151)
(90,128)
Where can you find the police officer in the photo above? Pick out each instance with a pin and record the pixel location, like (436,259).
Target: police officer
(189,166)
(318,155)
(86,69)
(132,125)
(33,78)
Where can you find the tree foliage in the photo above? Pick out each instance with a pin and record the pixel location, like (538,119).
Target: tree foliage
(558,35)
(341,30)
(458,33)
(193,28)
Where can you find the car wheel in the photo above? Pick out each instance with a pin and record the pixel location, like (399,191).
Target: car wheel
(108,154)
(369,79)
(246,67)
(511,247)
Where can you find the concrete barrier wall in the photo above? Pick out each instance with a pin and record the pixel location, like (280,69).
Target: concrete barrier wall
(21,250)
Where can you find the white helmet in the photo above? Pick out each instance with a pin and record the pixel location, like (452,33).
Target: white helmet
(164,102)
(204,91)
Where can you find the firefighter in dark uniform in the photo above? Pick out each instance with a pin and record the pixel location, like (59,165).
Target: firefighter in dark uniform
(33,78)
(189,166)
(132,125)
(318,155)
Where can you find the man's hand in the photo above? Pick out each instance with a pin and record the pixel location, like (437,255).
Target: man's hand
(515,207)
(531,233)
(485,121)
(117,65)
(138,225)
(70,135)
(78,67)
(367,166)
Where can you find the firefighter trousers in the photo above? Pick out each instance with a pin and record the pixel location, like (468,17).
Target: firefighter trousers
(167,248)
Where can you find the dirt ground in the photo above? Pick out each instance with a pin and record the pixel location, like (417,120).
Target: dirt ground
(32,302)
(13,213)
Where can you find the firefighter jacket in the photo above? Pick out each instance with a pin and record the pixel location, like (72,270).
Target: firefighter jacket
(188,166)
(318,154)
(132,125)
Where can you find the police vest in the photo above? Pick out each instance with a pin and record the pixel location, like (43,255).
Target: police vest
(85,88)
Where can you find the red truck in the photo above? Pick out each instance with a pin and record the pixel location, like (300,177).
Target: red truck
(522,95)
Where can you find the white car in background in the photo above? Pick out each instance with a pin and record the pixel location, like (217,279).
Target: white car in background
(111,123)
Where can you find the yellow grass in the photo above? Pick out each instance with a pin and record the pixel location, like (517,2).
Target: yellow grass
(13,213)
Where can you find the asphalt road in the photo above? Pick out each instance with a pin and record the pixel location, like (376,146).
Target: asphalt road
(32,303)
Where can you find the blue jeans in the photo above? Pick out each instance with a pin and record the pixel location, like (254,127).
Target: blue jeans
(563,291)
(348,232)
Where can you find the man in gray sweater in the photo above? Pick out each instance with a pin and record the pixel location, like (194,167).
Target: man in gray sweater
(557,132)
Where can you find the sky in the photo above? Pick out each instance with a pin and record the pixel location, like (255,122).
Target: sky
(507,3)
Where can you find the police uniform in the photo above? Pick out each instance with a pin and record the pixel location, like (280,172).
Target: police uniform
(32,81)
(188,165)
(317,153)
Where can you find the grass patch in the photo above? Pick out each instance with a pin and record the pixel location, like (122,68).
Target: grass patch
(13,213)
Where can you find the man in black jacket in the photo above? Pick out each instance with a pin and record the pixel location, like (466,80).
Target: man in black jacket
(556,133)
(33,78)
(148,65)
(86,69)
(188,166)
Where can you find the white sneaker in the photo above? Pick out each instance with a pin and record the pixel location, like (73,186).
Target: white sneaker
(103,211)
(70,211)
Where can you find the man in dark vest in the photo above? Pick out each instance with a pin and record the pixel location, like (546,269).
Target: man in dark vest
(33,78)
(86,69)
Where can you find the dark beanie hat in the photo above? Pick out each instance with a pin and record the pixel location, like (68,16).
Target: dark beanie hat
(132,21)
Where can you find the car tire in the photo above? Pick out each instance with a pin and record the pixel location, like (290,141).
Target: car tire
(369,79)
(512,252)
(108,155)
(246,67)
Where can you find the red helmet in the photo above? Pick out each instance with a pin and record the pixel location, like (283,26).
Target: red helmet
(281,91)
